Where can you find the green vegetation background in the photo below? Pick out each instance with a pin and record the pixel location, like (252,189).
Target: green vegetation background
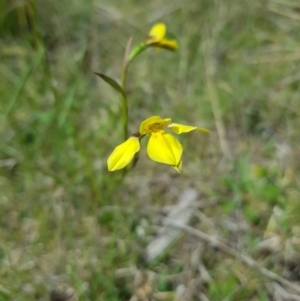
(65,220)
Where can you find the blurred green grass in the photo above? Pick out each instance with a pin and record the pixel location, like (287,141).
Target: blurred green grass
(66,221)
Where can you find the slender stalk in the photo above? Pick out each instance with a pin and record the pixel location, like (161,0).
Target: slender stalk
(128,57)
(124,104)
(123,85)
(224,247)
(124,97)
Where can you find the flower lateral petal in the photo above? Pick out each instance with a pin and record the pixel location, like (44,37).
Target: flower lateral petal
(168,44)
(178,128)
(164,148)
(203,130)
(123,154)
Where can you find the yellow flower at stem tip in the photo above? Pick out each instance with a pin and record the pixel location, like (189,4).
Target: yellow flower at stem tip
(162,146)
(157,38)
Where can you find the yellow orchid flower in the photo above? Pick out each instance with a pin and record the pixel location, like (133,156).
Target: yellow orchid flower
(157,38)
(162,146)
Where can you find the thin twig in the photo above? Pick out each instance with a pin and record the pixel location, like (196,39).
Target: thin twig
(283,12)
(283,293)
(209,64)
(126,56)
(241,257)
(123,95)
(214,99)
(183,212)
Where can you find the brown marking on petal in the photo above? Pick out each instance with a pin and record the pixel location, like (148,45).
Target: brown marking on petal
(137,135)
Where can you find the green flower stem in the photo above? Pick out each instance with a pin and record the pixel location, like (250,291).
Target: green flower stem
(127,59)
(136,51)
(124,99)
(123,86)
(124,102)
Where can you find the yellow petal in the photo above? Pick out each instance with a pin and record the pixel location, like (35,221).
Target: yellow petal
(203,130)
(123,154)
(178,128)
(164,148)
(168,44)
(157,33)
(154,120)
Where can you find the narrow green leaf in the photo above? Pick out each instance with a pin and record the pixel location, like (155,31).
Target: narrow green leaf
(111,82)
